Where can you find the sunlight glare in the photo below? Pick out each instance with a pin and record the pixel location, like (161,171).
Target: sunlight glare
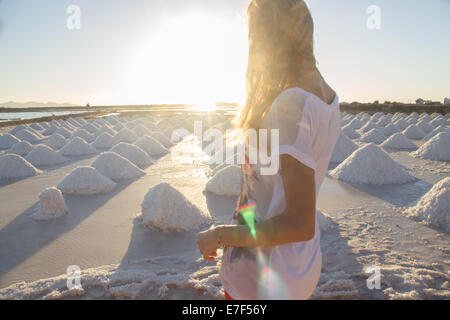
(191,59)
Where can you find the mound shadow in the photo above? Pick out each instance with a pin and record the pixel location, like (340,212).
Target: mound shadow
(23,236)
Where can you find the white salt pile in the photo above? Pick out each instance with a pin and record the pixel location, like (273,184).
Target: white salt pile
(133,153)
(344,148)
(116,167)
(166,208)
(105,129)
(51,205)
(43,155)
(90,128)
(17,129)
(350,132)
(434,207)
(104,141)
(50,130)
(437,148)
(159,136)
(77,147)
(125,135)
(36,126)
(399,142)
(424,125)
(151,146)
(83,134)
(140,130)
(86,181)
(383,121)
(401,123)
(21,148)
(413,132)
(375,135)
(437,130)
(368,126)
(226,181)
(438,121)
(390,129)
(64,132)
(371,165)
(13,166)
(356,123)
(27,135)
(56,141)
(7,141)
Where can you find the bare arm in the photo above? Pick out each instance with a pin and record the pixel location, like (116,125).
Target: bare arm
(296,223)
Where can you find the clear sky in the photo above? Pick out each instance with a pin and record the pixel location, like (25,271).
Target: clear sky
(188,51)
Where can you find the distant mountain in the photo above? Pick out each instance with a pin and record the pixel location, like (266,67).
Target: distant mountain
(34,104)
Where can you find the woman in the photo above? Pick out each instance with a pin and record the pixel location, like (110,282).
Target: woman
(272,248)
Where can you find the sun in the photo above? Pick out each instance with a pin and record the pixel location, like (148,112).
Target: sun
(195,59)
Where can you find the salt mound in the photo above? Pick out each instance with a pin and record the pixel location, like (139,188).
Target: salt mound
(400,142)
(27,135)
(166,208)
(43,155)
(383,121)
(7,141)
(375,135)
(133,153)
(90,128)
(85,181)
(413,132)
(424,125)
(77,147)
(368,126)
(104,141)
(56,141)
(390,129)
(151,146)
(226,181)
(350,132)
(161,138)
(125,135)
(401,123)
(437,148)
(140,130)
(116,167)
(50,130)
(434,206)
(18,128)
(356,123)
(64,132)
(437,130)
(344,148)
(371,165)
(83,134)
(21,148)
(51,205)
(13,166)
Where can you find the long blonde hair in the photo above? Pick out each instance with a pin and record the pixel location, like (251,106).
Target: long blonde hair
(280,45)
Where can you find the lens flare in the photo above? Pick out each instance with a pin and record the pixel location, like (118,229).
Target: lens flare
(248,214)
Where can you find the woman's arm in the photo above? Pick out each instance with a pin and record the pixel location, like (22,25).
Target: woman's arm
(296,223)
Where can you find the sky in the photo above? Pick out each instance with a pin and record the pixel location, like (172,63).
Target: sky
(195,51)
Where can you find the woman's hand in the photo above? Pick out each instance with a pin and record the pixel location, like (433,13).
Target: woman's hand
(207,243)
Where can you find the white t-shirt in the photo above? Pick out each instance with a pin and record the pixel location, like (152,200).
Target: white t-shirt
(308,131)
